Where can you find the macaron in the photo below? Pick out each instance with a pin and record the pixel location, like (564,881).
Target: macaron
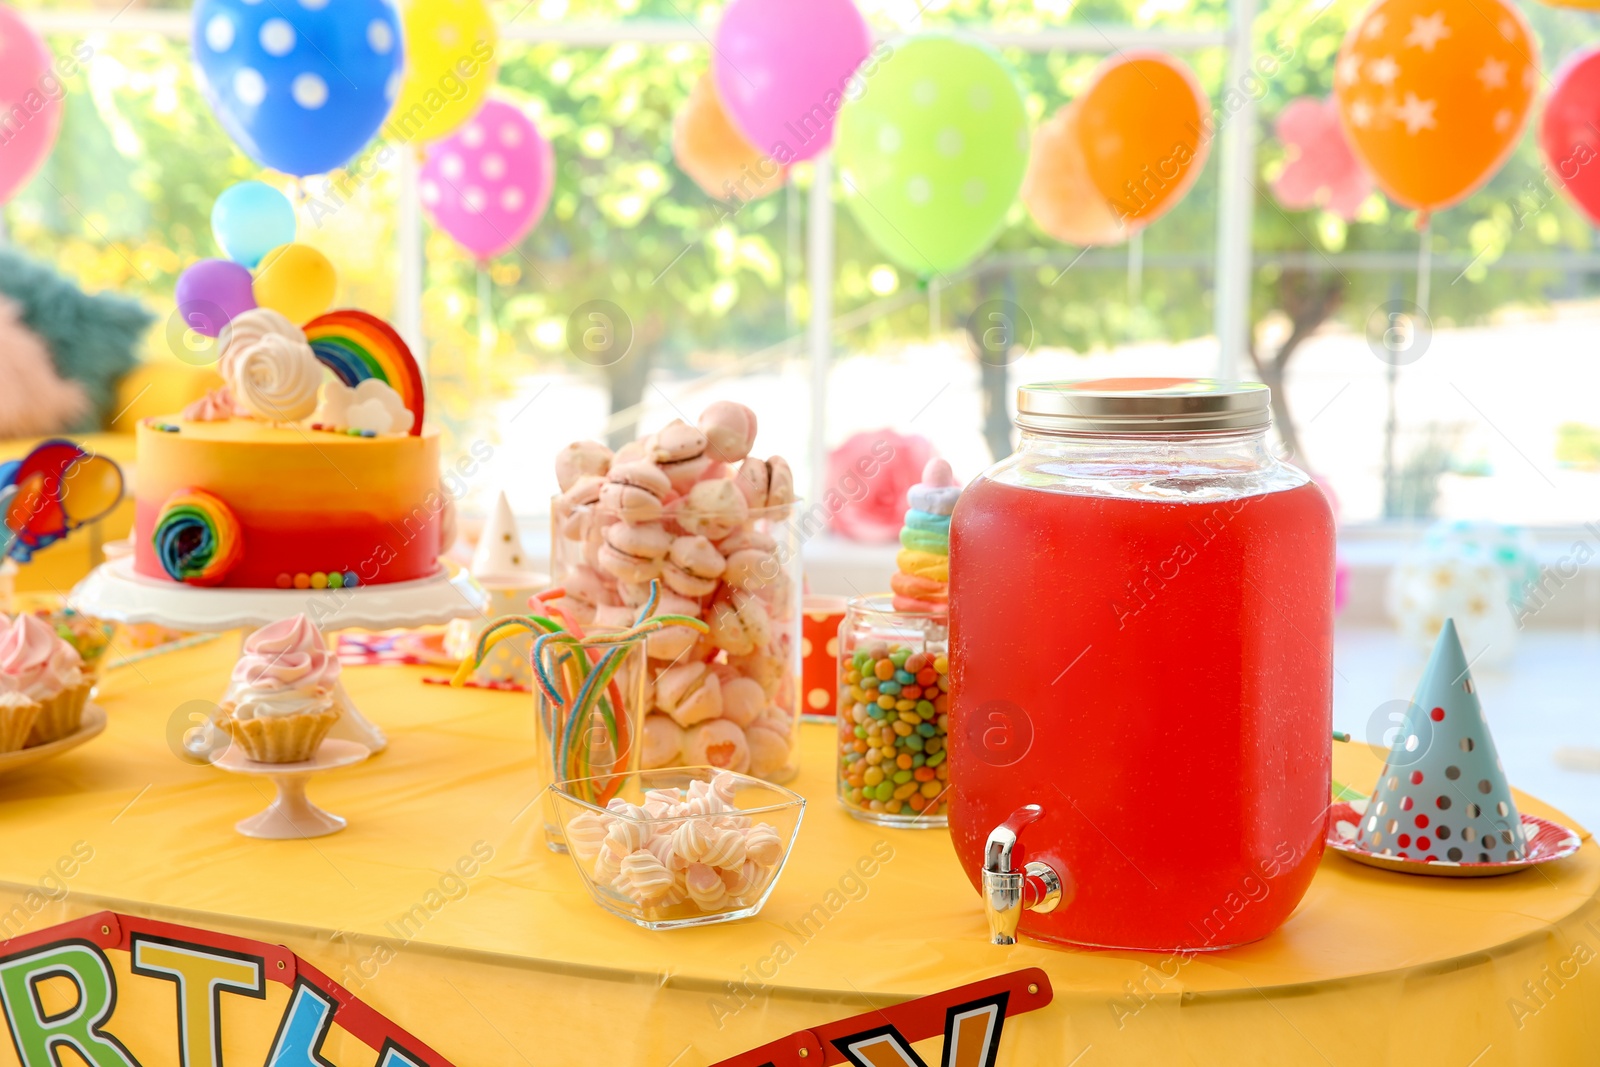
(743,700)
(769,750)
(730,430)
(633,551)
(747,538)
(693,567)
(635,492)
(762,666)
(711,509)
(689,693)
(680,451)
(663,742)
(751,568)
(581,459)
(575,506)
(717,743)
(739,623)
(923,564)
(766,483)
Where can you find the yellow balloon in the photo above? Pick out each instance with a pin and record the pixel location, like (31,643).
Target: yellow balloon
(450,67)
(296,281)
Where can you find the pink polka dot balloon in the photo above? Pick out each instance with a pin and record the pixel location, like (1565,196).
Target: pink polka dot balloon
(487,184)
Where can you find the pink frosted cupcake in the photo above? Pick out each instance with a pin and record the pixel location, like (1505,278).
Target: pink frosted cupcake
(36,665)
(283,699)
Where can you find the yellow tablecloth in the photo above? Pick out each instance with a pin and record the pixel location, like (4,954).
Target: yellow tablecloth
(514,964)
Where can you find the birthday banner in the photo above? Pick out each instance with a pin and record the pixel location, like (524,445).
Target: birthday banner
(970,1018)
(127,992)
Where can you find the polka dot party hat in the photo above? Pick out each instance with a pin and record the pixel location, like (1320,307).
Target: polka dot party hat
(1443,794)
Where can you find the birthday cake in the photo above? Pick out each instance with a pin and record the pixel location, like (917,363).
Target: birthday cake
(309,469)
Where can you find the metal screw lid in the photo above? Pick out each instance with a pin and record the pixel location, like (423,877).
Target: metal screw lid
(1139,406)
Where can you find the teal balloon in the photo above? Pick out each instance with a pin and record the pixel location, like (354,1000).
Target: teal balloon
(933,150)
(250,219)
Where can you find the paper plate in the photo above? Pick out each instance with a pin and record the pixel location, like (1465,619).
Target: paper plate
(1546,841)
(94,722)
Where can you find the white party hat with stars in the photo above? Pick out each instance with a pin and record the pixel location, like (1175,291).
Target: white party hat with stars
(499,559)
(1443,795)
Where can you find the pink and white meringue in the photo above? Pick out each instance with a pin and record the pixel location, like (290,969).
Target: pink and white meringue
(35,662)
(285,669)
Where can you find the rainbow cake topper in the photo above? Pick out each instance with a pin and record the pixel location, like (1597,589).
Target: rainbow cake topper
(356,346)
(53,490)
(197,538)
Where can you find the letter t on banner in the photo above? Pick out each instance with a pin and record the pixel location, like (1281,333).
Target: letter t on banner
(202,976)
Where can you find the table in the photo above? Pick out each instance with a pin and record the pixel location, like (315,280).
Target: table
(513,964)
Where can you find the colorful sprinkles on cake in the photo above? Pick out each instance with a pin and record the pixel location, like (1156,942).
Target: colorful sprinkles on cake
(197,538)
(356,345)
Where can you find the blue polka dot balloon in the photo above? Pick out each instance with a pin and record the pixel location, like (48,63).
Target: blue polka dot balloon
(300,85)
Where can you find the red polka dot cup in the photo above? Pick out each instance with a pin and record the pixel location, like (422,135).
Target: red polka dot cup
(819,652)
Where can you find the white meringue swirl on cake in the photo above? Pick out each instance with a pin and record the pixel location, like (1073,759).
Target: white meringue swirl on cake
(246,329)
(277,379)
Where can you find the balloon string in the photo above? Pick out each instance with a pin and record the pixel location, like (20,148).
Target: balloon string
(1424,267)
(486,328)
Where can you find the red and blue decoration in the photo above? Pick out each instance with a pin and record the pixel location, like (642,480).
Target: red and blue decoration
(53,490)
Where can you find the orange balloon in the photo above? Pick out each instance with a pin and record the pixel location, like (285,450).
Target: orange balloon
(1058,192)
(713,153)
(1145,128)
(1434,94)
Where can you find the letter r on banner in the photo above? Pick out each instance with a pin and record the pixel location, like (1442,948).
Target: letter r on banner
(38,1035)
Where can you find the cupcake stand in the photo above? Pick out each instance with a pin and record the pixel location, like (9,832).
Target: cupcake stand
(114,591)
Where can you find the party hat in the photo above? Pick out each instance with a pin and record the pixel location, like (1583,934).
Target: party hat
(499,559)
(1443,795)
(500,565)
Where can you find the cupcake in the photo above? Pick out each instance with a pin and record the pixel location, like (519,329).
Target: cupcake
(17,716)
(44,669)
(283,698)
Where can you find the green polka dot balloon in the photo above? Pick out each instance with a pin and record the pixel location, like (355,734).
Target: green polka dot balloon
(932,150)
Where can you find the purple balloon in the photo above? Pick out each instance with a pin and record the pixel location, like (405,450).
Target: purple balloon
(784,67)
(211,292)
(487,184)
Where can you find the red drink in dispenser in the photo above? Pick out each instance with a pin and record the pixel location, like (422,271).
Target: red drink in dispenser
(1141,609)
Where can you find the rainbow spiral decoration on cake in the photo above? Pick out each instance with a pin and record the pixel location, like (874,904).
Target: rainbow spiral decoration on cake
(197,538)
(356,346)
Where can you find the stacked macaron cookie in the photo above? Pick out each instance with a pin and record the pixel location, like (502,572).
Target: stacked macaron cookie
(691,507)
(923,580)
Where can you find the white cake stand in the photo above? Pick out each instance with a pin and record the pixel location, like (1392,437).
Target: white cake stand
(291,814)
(116,592)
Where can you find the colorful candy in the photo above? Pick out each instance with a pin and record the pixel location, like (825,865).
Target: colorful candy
(197,538)
(893,723)
(577,684)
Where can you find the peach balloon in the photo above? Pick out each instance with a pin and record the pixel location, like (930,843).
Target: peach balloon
(710,150)
(1434,94)
(1144,126)
(1058,192)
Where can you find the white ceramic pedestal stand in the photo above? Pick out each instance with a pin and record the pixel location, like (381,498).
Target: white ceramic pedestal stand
(116,592)
(291,815)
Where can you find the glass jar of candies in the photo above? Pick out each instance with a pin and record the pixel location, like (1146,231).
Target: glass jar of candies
(894,683)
